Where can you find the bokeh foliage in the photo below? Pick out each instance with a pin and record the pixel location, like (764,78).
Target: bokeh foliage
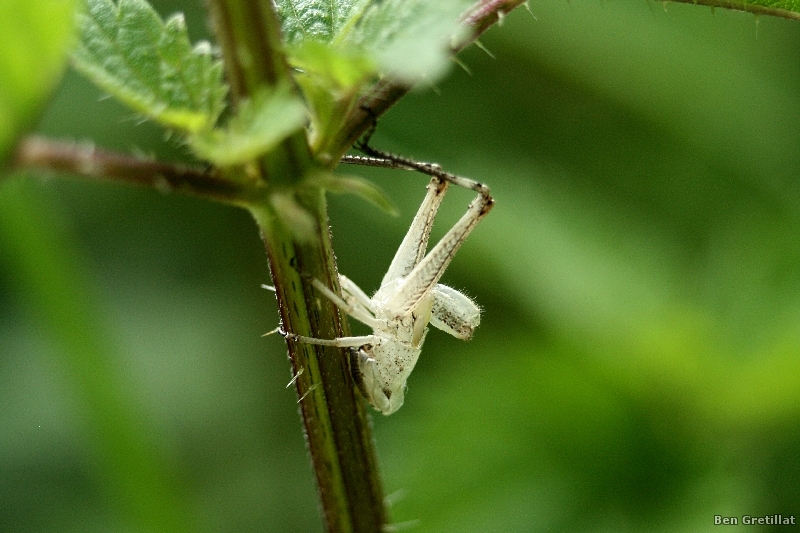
(32,51)
(638,363)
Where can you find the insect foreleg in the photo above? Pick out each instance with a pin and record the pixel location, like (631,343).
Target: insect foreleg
(341,342)
(354,295)
(358,312)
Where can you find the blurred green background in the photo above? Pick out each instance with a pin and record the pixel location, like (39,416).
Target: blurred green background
(638,363)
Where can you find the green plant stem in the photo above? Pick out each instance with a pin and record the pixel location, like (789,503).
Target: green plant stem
(294,227)
(337,429)
(249,35)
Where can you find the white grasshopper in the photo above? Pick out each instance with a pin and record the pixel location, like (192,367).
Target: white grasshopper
(410,296)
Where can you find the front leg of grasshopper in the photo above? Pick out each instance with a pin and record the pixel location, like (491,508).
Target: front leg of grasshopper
(354,296)
(355,307)
(339,342)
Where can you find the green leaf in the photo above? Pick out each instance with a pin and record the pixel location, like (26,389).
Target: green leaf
(407,39)
(331,80)
(150,65)
(341,69)
(260,125)
(316,20)
(353,185)
(33,50)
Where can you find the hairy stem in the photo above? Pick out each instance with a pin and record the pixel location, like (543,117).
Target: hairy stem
(337,429)
(88,161)
(294,227)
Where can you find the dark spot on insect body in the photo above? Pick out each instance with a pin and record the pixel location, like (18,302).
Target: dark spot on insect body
(388,393)
(354,370)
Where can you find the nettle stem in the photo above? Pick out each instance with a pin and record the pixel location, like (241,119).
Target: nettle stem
(88,161)
(336,426)
(294,227)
